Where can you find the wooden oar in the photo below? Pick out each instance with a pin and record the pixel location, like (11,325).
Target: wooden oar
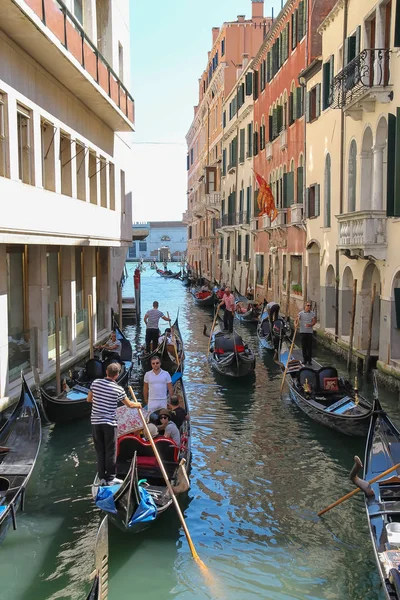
(212,329)
(350,494)
(288,359)
(167,482)
(174,344)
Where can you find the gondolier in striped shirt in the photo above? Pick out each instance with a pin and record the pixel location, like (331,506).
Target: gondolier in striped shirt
(151,318)
(104,395)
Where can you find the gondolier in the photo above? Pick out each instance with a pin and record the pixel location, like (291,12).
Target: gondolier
(152,318)
(229,300)
(104,396)
(273,311)
(306,319)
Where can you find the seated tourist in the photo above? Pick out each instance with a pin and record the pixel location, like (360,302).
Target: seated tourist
(153,431)
(168,334)
(178,414)
(111,348)
(168,427)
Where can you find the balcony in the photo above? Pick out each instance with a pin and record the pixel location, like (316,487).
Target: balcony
(362,83)
(283,139)
(232,168)
(228,220)
(268,151)
(296,213)
(242,218)
(281,219)
(198,209)
(49,33)
(213,200)
(363,234)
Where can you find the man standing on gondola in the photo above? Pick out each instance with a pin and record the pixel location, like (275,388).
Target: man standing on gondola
(229,300)
(104,396)
(151,318)
(306,319)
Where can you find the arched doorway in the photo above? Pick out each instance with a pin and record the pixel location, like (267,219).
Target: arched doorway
(330,311)
(395,321)
(371,277)
(314,278)
(346,301)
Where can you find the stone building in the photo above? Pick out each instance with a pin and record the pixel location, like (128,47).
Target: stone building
(166,240)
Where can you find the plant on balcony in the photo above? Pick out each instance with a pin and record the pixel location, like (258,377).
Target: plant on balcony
(297,289)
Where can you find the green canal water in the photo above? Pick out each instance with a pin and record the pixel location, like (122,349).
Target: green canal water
(261,470)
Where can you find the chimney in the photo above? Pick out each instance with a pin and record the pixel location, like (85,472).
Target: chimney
(245,60)
(215,34)
(257,9)
(241,18)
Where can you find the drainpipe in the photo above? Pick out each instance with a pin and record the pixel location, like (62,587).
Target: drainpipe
(341,174)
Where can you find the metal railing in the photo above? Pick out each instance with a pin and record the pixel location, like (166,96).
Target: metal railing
(73,37)
(228,219)
(369,69)
(242,218)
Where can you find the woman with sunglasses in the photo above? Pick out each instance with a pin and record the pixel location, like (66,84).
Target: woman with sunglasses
(306,319)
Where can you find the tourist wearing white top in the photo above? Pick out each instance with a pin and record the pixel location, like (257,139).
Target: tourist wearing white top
(157,385)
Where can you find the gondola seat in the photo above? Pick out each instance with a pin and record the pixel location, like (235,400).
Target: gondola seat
(309,376)
(226,345)
(328,382)
(265,328)
(93,370)
(147,463)
(126,351)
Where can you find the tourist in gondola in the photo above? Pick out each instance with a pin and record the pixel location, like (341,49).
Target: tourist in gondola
(112,347)
(168,427)
(306,319)
(152,318)
(178,414)
(104,396)
(229,300)
(273,311)
(157,386)
(250,292)
(167,334)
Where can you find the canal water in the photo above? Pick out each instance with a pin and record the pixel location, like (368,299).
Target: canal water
(261,470)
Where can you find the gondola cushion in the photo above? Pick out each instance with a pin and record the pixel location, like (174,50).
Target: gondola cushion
(309,375)
(227,344)
(94,369)
(328,380)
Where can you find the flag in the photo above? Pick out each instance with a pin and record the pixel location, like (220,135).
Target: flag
(265,199)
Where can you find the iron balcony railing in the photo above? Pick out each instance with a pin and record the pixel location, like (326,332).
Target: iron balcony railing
(369,69)
(56,16)
(228,219)
(242,218)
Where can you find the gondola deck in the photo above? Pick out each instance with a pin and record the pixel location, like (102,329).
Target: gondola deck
(168,358)
(228,354)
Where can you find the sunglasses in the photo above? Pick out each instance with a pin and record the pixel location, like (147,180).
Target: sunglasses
(163,417)
(308,304)
(155,363)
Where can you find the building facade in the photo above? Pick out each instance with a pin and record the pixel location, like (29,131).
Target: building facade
(65,178)
(231,44)
(166,240)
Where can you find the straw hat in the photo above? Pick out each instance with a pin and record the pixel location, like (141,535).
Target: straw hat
(165,411)
(153,429)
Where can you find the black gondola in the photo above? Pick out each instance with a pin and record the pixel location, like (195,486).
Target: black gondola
(99,587)
(203,298)
(136,461)
(270,334)
(72,404)
(166,353)
(251,315)
(228,354)
(324,396)
(383,504)
(20,438)
(168,274)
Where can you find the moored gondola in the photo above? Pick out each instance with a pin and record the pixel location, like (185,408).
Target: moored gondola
(203,298)
(166,352)
(20,438)
(99,587)
(382,500)
(324,396)
(228,354)
(246,311)
(168,274)
(72,403)
(270,334)
(143,495)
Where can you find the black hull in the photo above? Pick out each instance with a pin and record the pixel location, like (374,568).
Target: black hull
(233,368)
(21,433)
(206,302)
(248,317)
(266,342)
(166,363)
(100,583)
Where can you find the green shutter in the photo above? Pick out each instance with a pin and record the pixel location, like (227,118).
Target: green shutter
(299,103)
(391,164)
(279,118)
(358,40)
(274,123)
(300,185)
(397,26)
(396,204)
(255,203)
(255,143)
(325,85)
(307,206)
(290,189)
(291,111)
(331,76)
(318,100)
(285,190)
(255,85)
(317,196)
(300,28)
(295,105)
(242,145)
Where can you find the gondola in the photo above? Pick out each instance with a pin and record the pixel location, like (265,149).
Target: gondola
(228,354)
(269,334)
(136,462)
(168,274)
(251,315)
(99,587)
(203,298)
(383,507)
(324,396)
(72,403)
(20,438)
(166,353)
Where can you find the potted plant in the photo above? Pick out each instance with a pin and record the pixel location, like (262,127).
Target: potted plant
(297,289)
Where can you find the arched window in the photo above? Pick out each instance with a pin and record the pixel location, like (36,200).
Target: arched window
(352,177)
(327,192)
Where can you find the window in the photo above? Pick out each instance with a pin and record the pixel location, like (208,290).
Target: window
(190,232)
(120,61)
(53,295)
(296,273)
(314,103)
(255,143)
(221,248)
(187,162)
(249,83)
(288,189)
(255,85)
(93,177)
(25,158)
(80,158)
(301,23)
(259,269)
(246,248)
(239,248)
(103,182)
(312,201)
(65,164)
(284,271)
(3,136)
(111,181)
(242,144)
(211,177)
(352,177)
(191,156)
(228,248)
(18,334)
(142,246)
(224,162)
(249,140)
(300,184)
(294,20)
(327,79)
(224,119)
(269,282)
(48,132)
(78,10)
(223,47)
(327,192)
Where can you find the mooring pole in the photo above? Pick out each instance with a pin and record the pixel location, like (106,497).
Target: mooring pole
(353,315)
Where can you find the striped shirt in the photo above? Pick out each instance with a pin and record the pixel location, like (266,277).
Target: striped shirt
(106,395)
(305,318)
(153,316)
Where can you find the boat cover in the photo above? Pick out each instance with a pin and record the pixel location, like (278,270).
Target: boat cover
(146,511)
(105,498)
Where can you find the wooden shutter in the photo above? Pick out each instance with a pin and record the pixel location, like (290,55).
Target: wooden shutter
(249,84)
(285,190)
(279,118)
(290,188)
(224,161)
(300,185)
(300,26)
(291,111)
(255,85)
(331,76)
(299,103)
(242,144)
(358,40)
(255,204)
(307,206)
(318,100)
(255,143)
(317,196)
(397,25)
(187,162)
(308,105)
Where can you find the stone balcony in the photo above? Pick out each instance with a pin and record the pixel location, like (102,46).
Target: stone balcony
(213,200)
(363,234)
(296,213)
(283,139)
(268,151)
(198,210)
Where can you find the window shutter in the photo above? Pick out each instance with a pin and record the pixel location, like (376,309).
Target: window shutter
(293,32)
(270,138)
(187,162)
(224,161)
(290,191)
(318,100)
(279,119)
(331,76)
(242,145)
(358,40)
(397,25)
(396,203)
(249,84)
(300,32)
(346,51)
(317,192)
(255,204)
(307,207)
(300,185)
(274,123)
(285,190)
(291,111)
(255,143)
(299,103)
(224,119)
(391,164)
(255,85)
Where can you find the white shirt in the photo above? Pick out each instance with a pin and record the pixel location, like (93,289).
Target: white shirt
(158,389)
(161,339)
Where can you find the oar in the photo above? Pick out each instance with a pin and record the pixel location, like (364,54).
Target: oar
(167,482)
(212,329)
(350,494)
(174,344)
(288,358)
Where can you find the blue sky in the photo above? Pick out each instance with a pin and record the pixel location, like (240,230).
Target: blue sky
(169,46)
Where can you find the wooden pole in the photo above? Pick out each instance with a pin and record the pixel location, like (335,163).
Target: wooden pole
(288,283)
(371,317)
(240,279)
(353,315)
(200,269)
(120,304)
(196,264)
(247,280)
(288,358)
(57,342)
(90,314)
(305,277)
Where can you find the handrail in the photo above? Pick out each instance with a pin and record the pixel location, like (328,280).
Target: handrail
(85,38)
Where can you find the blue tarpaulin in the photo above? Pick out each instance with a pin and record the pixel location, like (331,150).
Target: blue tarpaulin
(176,376)
(146,511)
(105,498)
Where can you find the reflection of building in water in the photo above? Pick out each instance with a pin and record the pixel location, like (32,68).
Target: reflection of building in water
(166,240)
(65,167)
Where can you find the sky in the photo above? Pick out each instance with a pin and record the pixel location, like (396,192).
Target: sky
(169,45)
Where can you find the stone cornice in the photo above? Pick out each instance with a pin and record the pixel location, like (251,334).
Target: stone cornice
(331,16)
(284,13)
(235,123)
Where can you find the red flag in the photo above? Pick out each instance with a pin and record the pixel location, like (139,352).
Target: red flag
(265,199)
